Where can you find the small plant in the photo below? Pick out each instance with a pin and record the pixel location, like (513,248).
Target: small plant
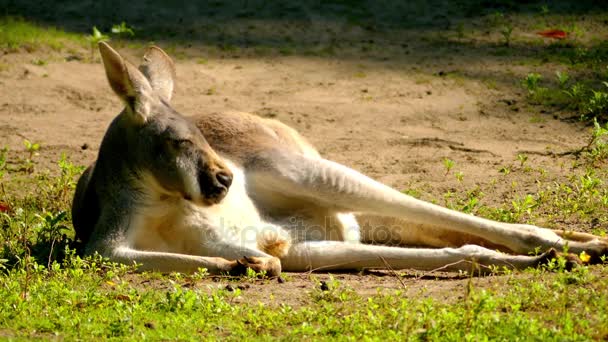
(544,9)
(470,204)
(39,62)
(505,170)
(497,19)
(95,38)
(32,149)
(200,274)
(331,291)
(123,30)
(531,81)
(598,145)
(523,206)
(60,189)
(459,176)
(577,95)
(3,152)
(507,32)
(448,164)
(52,226)
(460,31)
(522,159)
(360,74)
(597,103)
(562,79)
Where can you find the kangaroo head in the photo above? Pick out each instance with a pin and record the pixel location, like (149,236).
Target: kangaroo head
(159,142)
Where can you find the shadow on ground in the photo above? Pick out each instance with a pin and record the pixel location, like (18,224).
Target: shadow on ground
(403,34)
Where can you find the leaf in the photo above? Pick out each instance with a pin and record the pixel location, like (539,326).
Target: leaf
(96,33)
(553,33)
(4,207)
(97,36)
(122,29)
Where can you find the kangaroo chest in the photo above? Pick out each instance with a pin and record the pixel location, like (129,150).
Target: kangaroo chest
(175,225)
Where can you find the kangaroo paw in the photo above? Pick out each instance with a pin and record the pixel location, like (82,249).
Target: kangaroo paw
(572,260)
(272,266)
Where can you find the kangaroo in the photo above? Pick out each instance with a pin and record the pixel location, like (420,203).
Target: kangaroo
(231,191)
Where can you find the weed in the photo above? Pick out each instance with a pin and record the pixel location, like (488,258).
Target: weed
(580,97)
(597,102)
(412,192)
(497,19)
(32,150)
(448,164)
(507,32)
(3,153)
(460,31)
(505,170)
(523,207)
(531,82)
(522,159)
(597,148)
(39,62)
(544,9)
(459,176)
(562,79)
(94,39)
(331,291)
(121,30)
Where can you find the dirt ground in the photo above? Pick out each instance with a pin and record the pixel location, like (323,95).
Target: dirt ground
(393,115)
(393,124)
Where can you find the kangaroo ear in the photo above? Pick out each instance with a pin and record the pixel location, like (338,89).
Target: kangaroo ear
(127,82)
(160,71)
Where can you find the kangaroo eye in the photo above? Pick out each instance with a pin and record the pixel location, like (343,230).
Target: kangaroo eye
(178,143)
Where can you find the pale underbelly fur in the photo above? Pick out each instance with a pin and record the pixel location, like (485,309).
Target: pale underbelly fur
(175,225)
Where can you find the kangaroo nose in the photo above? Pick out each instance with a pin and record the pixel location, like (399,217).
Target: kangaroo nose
(224,178)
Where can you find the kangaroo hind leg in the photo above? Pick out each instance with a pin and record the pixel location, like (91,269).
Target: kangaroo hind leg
(336,256)
(342,189)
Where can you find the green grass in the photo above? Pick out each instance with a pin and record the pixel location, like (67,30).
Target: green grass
(588,98)
(17,33)
(90,300)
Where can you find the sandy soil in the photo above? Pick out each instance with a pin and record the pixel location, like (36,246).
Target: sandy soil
(393,124)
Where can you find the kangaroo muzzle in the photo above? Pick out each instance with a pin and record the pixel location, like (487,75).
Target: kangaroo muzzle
(214,185)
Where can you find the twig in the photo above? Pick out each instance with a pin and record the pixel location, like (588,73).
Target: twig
(473,150)
(453,145)
(392,271)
